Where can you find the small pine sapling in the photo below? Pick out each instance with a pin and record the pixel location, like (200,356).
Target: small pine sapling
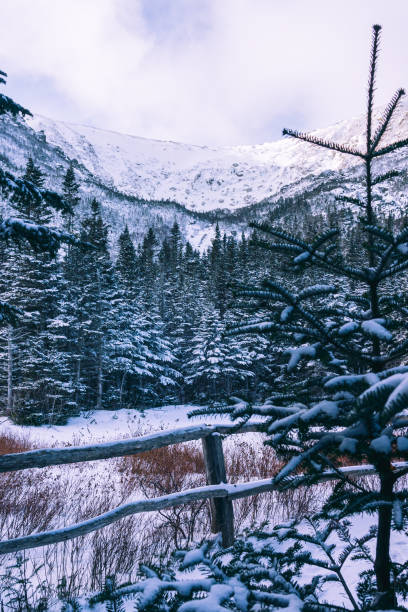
(244,577)
(361,338)
(109,595)
(22,588)
(68,602)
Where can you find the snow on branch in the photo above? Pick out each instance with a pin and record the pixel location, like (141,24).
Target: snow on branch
(386,118)
(385,177)
(9,313)
(7,105)
(298,353)
(374,328)
(350,200)
(278,233)
(38,236)
(390,148)
(371,80)
(18,188)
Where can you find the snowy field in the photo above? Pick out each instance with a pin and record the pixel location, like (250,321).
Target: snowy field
(105,425)
(97,486)
(49,498)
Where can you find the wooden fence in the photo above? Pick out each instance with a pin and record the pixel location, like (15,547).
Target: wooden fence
(218,491)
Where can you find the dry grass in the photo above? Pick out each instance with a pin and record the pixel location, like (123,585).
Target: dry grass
(13,443)
(37,500)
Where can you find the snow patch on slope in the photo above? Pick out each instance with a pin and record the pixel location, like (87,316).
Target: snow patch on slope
(205,178)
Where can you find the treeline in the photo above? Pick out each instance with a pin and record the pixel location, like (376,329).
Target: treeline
(144,329)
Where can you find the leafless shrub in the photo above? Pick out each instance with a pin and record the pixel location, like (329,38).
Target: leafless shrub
(163,471)
(36,500)
(14,443)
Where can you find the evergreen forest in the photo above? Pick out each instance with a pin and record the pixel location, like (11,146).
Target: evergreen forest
(110,326)
(295,330)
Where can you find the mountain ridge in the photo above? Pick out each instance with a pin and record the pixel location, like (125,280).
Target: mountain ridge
(201,177)
(152,183)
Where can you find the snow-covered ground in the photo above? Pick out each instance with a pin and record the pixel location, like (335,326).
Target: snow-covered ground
(97,478)
(105,425)
(80,491)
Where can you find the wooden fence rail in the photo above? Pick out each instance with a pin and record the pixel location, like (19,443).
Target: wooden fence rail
(218,491)
(77,454)
(222,492)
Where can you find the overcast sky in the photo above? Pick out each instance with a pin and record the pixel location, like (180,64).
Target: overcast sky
(200,71)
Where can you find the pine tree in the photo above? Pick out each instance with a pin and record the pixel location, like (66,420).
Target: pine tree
(172,289)
(96,288)
(14,191)
(126,263)
(28,209)
(70,190)
(7,105)
(33,174)
(38,385)
(360,338)
(191,297)
(216,363)
(133,364)
(148,265)
(142,353)
(175,248)
(218,271)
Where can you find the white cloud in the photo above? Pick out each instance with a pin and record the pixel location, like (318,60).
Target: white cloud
(211,71)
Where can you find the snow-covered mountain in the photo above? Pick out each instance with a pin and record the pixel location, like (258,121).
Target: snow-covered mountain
(204,178)
(146,182)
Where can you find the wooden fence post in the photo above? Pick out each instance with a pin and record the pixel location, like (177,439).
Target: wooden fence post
(222,513)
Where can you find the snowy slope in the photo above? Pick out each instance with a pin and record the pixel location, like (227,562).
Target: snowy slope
(18,141)
(204,178)
(151,183)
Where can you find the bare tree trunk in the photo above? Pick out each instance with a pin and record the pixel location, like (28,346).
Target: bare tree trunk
(77,380)
(122,384)
(99,385)
(385,597)
(10,363)
(228,385)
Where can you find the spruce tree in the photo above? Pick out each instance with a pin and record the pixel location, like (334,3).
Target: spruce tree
(7,105)
(148,266)
(96,288)
(28,209)
(33,174)
(218,272)
(14,193)
(361,339)
(217,364)
(126,263)
(31,290)
(172,290)
(38,388)
(138,358)
(70,190)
